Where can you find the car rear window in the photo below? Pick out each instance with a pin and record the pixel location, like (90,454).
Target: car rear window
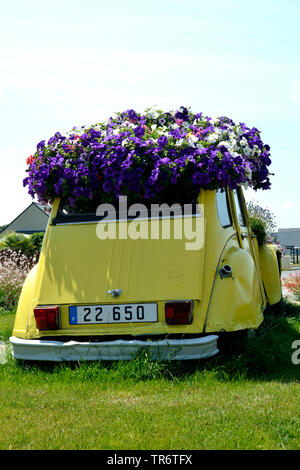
(94,210)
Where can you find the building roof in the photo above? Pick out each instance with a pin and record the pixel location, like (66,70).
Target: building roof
(33,219)
(289,236)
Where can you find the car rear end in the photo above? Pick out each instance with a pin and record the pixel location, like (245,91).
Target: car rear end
(102,290)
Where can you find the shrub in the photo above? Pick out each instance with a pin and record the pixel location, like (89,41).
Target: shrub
(14,267)
(2,227)
(262,222)
(259,229)
(30,246)
(17,242)
(292,284)
(36,241)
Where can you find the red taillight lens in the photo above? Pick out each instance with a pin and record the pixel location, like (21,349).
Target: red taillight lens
(178,313)
(46,317)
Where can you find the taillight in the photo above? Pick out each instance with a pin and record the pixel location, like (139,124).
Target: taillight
(179,313)
(46,317)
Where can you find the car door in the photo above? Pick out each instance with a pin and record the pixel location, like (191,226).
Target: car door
(246,239)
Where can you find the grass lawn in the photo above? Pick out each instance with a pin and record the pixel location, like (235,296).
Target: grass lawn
(247,397)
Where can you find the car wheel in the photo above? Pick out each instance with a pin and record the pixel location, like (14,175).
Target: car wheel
(279,308)
(276,309)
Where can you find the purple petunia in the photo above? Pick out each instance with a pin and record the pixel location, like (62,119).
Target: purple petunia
(148,156)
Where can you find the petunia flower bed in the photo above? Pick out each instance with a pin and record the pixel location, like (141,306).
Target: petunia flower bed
(154,156)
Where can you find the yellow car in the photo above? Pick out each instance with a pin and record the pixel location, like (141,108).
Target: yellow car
(105,288)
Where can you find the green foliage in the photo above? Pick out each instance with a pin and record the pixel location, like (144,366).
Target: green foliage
(36,241)
(14,267)
(262,221)
(18,254)
(27,245)
(9,294)
(258,227)
(246,397)
(7,319)
(2,227)
(17,242)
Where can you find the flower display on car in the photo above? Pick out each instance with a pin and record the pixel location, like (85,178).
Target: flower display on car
(152,156)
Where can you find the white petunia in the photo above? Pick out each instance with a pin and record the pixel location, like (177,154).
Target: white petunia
(225,143)
(212,138)
(247,150)
(219,131)
(239,131)
(249,173)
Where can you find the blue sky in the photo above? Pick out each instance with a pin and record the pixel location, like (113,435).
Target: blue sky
(73,62)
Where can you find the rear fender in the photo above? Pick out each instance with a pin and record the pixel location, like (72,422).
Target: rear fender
(270,266)
(236,302)
(24,317)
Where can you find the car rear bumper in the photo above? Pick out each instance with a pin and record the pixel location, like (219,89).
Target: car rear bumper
(167,349)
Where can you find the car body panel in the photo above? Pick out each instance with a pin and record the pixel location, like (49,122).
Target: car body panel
(83,270)
(242,303)
(270,269)
(76,268)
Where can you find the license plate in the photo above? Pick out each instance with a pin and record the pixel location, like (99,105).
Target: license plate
(122,313)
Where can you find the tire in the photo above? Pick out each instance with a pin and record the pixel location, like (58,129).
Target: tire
(276,309)
(279,308)
(231,341)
